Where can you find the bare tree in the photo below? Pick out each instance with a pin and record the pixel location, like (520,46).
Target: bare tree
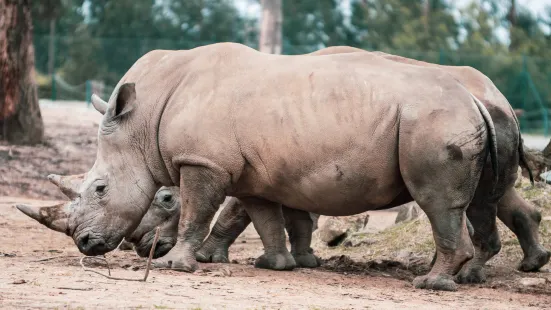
(270,28)
(20,118)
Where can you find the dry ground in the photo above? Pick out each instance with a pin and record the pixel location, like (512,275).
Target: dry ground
(350,278)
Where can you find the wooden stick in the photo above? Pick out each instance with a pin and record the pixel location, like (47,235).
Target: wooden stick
(144,279)
(53,257)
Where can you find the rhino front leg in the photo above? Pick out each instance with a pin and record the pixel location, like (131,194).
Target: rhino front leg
(267,218)
(230,224)
(299,226)
(524,220)
(201,193)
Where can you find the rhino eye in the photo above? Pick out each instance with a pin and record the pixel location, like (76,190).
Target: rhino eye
(167,198)
(100,189)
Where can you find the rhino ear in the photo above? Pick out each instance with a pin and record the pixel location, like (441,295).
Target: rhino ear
(126,100)
(99,104)
(54,217)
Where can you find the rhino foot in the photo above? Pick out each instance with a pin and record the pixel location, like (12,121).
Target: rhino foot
(206,256)
(184,265)
(276,261)
(307,260)
(536,261)
(471,275)
(438,283)
(162,263)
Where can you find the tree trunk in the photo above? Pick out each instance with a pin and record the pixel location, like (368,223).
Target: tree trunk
(20,119)
(426,16)
(270,28)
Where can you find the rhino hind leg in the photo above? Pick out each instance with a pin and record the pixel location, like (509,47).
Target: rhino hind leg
(485,240)
(471,232)
(299,225)
(231,222)
(523,220)
(268,220)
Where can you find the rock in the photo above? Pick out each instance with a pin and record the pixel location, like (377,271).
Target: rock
(408,212)
(546,176)
(531,281)
(333,230)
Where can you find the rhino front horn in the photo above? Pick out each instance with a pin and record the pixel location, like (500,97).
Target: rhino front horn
(68,185)
(54,217)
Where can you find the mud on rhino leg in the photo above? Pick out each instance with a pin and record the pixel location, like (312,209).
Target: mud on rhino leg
(201,192)
(231,222)
(267,218)
(299,225)
(524,219)
(485,240)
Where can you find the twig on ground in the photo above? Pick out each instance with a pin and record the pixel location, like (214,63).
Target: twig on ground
(53,257)
(144,279)
(75,288)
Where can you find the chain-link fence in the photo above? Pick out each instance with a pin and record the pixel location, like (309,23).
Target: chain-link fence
(83,65)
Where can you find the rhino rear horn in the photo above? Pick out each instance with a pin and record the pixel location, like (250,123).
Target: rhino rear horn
(53,217)
(68,185)
(99,104)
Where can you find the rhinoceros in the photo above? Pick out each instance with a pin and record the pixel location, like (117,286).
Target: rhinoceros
(519,216)
(335,135)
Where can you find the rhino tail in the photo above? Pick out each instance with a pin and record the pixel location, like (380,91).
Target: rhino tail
(521,155)
(492,139)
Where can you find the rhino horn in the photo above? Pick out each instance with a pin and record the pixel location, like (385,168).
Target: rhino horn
(67,184)
(99,104)
(53,217)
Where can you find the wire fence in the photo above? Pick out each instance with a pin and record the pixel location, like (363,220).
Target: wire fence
(83,65)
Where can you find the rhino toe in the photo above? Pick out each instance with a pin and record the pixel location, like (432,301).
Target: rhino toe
(438,283)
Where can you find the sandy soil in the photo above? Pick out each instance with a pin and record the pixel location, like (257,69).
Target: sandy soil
(340,283)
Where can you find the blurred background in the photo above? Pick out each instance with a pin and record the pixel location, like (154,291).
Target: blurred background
(87,45)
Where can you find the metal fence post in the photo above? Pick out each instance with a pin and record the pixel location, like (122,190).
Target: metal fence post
(54,90)
(88,92)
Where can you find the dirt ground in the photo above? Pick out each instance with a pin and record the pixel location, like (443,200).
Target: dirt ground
(28,281)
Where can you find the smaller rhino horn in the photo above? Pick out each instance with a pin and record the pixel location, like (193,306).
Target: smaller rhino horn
(53,217)
(68,185)
(99,104)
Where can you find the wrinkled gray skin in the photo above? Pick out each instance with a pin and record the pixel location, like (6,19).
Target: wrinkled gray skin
(334,135)
(164,213)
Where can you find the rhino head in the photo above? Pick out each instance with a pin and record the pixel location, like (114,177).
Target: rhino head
(116,192)
(164,212)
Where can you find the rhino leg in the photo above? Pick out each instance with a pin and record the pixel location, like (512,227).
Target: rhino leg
(231,222)
(202,193)
(299,226)
(523,219)
(470,229)
(485,240)
(267,218)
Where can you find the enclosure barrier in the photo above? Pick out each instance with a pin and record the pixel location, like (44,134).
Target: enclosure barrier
(96,65)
